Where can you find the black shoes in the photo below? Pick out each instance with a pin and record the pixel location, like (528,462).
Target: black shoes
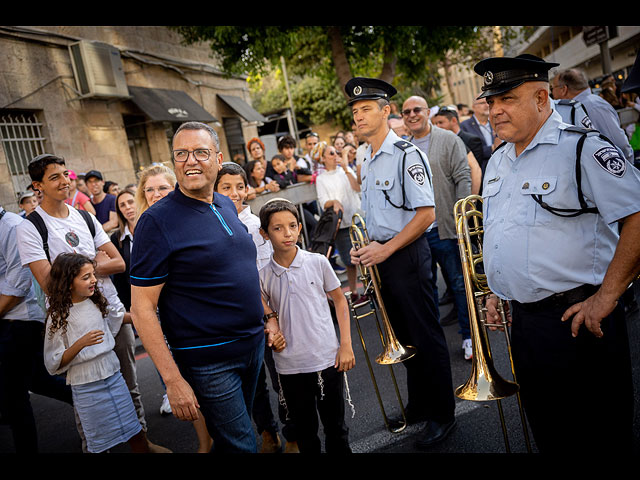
(435,432)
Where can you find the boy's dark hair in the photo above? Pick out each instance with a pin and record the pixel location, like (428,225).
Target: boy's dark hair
(274,206)
(230,168)
(38,165)
(286,141)
(65,268)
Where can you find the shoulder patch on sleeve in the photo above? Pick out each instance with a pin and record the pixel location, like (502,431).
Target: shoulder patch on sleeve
(417,173)
(610,160)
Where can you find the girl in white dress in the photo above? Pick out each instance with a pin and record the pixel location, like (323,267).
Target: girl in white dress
(81,327)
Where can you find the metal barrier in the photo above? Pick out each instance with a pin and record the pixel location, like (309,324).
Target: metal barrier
(298,194)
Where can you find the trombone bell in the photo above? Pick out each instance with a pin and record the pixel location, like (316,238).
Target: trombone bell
(395,353)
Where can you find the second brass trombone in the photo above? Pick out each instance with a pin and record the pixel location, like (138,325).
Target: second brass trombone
(484,383)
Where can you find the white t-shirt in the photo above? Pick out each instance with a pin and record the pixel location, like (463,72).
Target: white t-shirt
(298,294)
(66,235)
(264,248)
(334,185)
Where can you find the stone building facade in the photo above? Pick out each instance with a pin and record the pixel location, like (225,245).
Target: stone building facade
(153,84)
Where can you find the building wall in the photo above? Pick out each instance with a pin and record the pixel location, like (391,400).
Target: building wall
(564,45)
(36,75)
(570,51)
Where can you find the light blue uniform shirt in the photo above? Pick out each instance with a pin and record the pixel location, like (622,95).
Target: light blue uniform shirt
(16,280)
(384,172)
(572,112)
(605,119)
(530,253)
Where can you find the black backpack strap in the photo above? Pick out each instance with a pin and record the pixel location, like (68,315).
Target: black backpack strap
(35,218)
(87,218)
(573,212)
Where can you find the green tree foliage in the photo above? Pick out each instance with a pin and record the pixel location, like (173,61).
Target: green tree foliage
(320,60)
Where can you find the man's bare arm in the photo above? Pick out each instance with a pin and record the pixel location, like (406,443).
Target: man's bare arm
(144,302)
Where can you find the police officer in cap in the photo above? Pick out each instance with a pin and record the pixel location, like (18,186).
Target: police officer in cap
(553,196)
(397,198)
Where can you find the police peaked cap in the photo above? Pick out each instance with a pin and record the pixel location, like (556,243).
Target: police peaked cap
(502,74)
(360,88)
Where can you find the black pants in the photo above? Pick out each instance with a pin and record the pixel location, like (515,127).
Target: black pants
(262,412)
(22,370)
(407,292)
(306,399)
(577,392)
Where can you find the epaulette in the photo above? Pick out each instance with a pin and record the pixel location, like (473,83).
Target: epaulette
(404,145)
(582,130)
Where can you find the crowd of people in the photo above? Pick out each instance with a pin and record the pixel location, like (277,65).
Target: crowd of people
(222,297)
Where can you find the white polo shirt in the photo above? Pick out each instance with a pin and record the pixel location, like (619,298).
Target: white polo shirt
(298,294)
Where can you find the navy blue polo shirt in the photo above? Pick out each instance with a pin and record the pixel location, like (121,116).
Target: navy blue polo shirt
(210,306)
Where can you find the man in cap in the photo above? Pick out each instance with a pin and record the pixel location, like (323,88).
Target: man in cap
(104,203)
(551,247)
(397,198)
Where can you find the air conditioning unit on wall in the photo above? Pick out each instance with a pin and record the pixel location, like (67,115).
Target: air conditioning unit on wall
(98,70)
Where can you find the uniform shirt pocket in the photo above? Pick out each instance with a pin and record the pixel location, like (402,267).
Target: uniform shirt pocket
(543,188)
(489,200)
(384,191)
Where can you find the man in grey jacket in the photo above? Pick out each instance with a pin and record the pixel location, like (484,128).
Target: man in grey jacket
(451,181)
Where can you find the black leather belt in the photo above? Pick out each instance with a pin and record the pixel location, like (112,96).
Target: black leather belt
(564,299)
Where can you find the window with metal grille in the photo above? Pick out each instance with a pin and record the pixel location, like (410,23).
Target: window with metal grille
(22,139)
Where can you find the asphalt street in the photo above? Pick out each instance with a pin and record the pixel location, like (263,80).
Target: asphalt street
(478,428)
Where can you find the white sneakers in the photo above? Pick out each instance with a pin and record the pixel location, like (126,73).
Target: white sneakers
(468,349)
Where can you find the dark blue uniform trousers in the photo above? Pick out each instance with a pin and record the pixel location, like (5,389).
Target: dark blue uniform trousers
(577,392)
(407,292)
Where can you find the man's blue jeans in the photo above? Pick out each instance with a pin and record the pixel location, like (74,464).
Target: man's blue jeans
(225,392)
(446,253)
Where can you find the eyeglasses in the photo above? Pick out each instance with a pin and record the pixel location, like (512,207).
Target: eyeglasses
(160,189)
(551,87)
(415,110)
(201,155)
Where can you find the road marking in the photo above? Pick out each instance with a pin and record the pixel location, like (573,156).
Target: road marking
(387,439)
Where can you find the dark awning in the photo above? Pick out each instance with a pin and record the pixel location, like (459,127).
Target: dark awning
(162,105)
(242,108)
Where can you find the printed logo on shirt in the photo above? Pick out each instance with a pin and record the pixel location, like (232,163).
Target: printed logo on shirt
(417,174)
(609,159)
(72,239)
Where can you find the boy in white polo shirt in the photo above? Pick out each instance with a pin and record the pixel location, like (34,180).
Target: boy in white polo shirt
(295,284)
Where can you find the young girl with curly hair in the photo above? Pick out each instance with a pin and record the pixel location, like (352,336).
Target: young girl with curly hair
(79,342)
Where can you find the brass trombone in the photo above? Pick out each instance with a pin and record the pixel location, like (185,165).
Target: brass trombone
(484,382)
(393,351)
